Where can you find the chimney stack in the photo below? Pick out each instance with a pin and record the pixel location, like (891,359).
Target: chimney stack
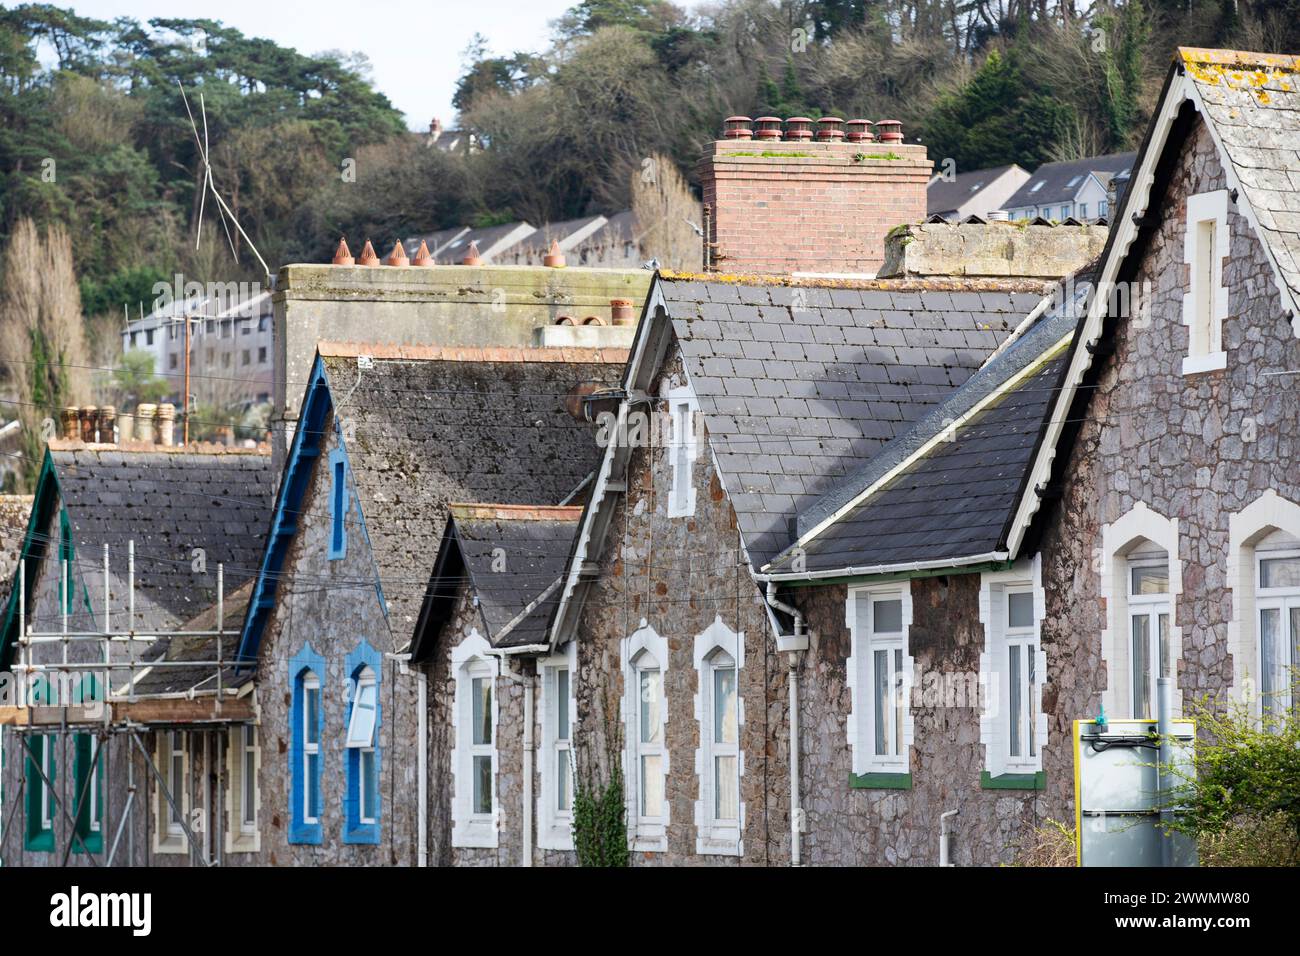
(799,204)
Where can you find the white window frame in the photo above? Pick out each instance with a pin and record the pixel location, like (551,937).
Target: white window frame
(363,742)
(714,645)
(995,669)
(1205,304)
(471,659)
(1153,607)
(1247,531)
(311,682)
(1120,539)
(683,450)
(168,834)
(243,758)
(555,824)
(1284,601)
(864,643)
(47,768)
(637,653)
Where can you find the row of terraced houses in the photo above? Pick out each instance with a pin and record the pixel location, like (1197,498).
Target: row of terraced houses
(835,538)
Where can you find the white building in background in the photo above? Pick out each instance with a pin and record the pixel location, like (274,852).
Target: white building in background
(1075,188)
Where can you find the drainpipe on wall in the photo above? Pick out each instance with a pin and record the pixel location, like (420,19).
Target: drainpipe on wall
(945,836)
(526,851)
(422,766)
(795,644)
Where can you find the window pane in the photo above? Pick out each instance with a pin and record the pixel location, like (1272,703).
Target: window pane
(1031,663)
(651,725)
(1295,652)
(1141,666)
(311,701)
(724,705)
(900,701)
(1270,646)
(482,694)
(562,780)
(361,728)
(725,795)
(1166,666)
(313,786)
(1151,580)
(888,616)
(1279,573)
(1013,676)
(880,701)
(370,784)
(652,785)
(249,772)
(1020,609)
(482,784)
(562,704)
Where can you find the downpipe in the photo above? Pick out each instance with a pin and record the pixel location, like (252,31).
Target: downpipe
(945,838)
(799,643)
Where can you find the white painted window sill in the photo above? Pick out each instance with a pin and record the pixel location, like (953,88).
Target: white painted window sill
(1195,364)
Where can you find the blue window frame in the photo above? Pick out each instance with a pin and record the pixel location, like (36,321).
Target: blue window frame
(361,723)
(338,504)
(306,756)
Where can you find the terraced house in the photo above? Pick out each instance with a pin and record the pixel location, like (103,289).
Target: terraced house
(825,567)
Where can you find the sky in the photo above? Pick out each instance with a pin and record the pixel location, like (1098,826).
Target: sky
(416,46)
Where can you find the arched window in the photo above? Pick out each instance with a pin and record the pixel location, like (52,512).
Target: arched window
(557,717)
(474,765)
(1141,579)
(719,654)
(362,745)
(645,710)
(306,757)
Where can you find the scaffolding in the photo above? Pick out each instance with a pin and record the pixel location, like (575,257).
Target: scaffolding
(52,703)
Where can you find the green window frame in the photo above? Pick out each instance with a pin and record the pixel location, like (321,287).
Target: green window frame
(39,806)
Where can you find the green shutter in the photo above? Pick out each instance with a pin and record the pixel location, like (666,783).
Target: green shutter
(37,838)
(87,841)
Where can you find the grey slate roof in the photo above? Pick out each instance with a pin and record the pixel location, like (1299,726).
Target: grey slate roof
(801,383)
(169,503)
(1051,182)
(534,545)
(485,425)
(167,680)
(1252,102)
(956,499)
(944,197)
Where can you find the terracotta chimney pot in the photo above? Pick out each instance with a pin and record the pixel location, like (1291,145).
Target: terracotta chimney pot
(126,427)
(859,131)
(554,258)
(621,311)
(107,419)
(889,131)
(798,129)
(89,419)
(471,255)
(737,127)
(422,256)
(398,256)
(166,418)
(343,255)
(144,421)
(830,129)
(368,257)
(767,128)
(71,423)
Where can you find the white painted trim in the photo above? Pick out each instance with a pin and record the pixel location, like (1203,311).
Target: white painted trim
(643,834)
(683,397)
(164,841)
(555,829)
(237,841)
(1205,207)
(1268,513)
(712,838)
(467,828)
(1118,538)
(858,670)
(994,680)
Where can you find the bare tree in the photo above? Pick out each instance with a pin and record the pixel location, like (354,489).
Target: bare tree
(667,215)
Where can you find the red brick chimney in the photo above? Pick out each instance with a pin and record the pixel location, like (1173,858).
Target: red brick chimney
(804,205)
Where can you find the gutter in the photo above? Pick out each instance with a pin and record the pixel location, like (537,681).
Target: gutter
(878,569)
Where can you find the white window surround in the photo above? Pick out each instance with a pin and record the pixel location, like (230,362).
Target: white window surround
(683,450)
(1119,539)
(554,826)
(469,659)
(861,725)
(169,837)
(644,645)
(1205,245)
(239,837)
(994,676)
(1267,514)
(711,835)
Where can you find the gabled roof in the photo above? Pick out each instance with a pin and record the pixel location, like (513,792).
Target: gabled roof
(943,491)
(169,502)
(430,426)
(1257,96)
(203,649)
(1054,183)
(800,383)
(944,197)
(492,241)
(512,559)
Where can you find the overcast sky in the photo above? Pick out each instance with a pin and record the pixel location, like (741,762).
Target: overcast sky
(415,45)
